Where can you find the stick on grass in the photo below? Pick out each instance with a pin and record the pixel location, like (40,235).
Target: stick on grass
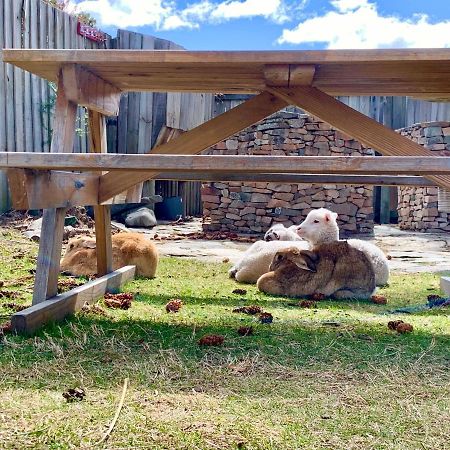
(119,408)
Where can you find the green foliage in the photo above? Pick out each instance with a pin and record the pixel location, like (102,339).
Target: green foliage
(64,5)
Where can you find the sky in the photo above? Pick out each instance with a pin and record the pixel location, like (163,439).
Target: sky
(279,24)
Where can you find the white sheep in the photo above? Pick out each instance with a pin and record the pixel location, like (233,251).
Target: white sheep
(279,232)
(320,227)
(257,258)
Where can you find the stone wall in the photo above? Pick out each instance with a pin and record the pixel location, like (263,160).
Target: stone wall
(253,207)
(418,206)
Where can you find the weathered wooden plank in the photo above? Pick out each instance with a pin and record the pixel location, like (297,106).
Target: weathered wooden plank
(63,305)
(102,213)
(422,73)
(147,164)
(88,90)
(19,81)
(2,87)
(363,180)
(355,124)
(35,123)
(31,189)
(27,92)
(50,245)
(200,138)
(63,123)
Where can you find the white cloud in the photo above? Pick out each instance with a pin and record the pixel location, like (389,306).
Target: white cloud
(165,15)
(358,24)
(249,8)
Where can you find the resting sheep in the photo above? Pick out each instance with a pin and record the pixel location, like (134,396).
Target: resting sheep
(257,258)
(127,249)
(279,232)
(320,227)
(335,270)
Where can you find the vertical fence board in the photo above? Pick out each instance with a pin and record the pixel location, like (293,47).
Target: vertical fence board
(2,82)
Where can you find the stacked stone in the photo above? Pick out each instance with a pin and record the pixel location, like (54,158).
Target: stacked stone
(253,207)
(418,207)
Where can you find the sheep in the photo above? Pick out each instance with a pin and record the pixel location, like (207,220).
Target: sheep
(320,227)
(334,269)
(257,258)
(279,232)
(127,249)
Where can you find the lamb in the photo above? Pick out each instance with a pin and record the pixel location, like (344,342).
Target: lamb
(257,258)
(333,269)
(320,227)
(279,232)
(127,249)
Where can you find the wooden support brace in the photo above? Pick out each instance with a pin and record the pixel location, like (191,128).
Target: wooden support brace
(355,124)
(87,89)
(60,306)
(143,165)
(102,213)
(50,244)
(198,139)
(39,189)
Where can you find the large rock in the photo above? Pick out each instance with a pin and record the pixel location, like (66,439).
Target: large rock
(142,217)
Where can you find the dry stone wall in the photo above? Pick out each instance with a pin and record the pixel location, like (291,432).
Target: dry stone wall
(418,207)
(253,207)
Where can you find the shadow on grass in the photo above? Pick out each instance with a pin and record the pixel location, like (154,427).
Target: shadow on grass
(146,348)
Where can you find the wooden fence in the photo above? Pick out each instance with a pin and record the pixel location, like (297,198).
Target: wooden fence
(143,114)
(26,101)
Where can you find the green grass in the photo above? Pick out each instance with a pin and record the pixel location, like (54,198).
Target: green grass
(297,383)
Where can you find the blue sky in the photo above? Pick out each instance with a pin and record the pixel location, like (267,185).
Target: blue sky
(279,24)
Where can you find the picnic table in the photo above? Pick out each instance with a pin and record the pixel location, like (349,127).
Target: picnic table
(95,79)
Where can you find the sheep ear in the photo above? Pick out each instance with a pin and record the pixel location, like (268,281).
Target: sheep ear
(330,215)
(310,260)
(88,244)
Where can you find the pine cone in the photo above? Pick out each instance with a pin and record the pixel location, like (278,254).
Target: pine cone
(245,331)
(307,304)
(73,394)
(379,299)
(404,328)
(266,317)
(393,324)
(251,310)
(211,340)
(119,301)
(239,291)
(174,305)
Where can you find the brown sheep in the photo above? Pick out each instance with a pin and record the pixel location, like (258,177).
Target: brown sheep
(127,249)
(335,270)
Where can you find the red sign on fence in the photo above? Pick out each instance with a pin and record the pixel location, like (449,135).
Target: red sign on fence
(90,33)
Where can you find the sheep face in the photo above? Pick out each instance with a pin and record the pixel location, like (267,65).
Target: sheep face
(320,226)
(273,233)
(303,259)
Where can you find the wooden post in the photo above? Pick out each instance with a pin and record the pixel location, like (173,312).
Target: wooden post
(50,244)
(102,213)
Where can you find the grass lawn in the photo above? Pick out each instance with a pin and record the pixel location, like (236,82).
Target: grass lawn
(333,377)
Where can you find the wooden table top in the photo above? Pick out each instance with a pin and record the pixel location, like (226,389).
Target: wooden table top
(420,73)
